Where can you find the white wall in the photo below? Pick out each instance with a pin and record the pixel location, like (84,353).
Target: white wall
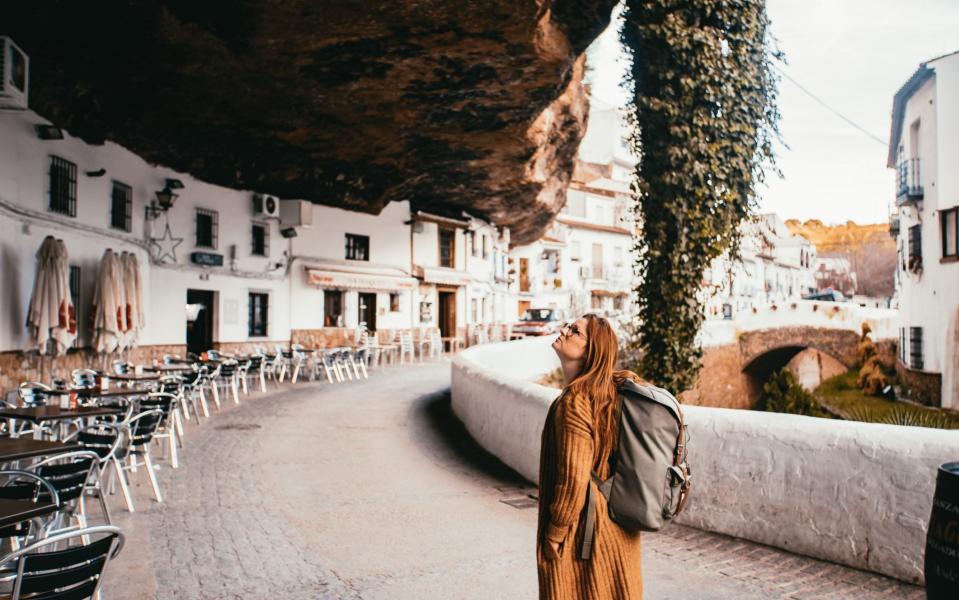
(325,243)
(853,493)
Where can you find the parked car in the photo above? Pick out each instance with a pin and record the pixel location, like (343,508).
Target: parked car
(828,295)
(540,321)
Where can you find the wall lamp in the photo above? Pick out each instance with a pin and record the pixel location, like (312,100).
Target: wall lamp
(49,132)
(165,199)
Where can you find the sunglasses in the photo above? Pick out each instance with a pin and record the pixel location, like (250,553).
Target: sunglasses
(572,329)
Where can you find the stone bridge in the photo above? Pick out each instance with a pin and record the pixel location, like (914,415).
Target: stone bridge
(739,357)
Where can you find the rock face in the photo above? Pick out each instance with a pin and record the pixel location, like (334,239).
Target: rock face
(453,106)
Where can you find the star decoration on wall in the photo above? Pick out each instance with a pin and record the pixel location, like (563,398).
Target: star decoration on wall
(165,246)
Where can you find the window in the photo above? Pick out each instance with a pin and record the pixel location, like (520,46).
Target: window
(332,308)
(63,186)
(357,247)
(597,261)
(207,228)
(74,282)
(261,240)
(575,205)
(447,239)
(915,247)
(485,246)
(259,309)
(474,245)
(596,302)
(474,310)
(950,232)
(394,302)
(915,347)
(618,256)
(618,302)
(574,250)
(121,207)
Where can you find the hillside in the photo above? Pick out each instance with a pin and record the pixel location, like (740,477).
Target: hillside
(871,252)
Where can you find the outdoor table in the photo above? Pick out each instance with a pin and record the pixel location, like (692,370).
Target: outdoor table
(170,368)
(13,449)
(133,377)
(98,393)
(16,511)
(39,414)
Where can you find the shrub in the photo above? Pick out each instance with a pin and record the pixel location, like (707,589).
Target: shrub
(783,393)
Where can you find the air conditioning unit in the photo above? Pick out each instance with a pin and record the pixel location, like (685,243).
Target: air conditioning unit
(585,271)
(14,75)
(265,205)
(296,213)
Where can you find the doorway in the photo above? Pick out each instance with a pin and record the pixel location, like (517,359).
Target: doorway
(368,310)
(447,313)
(522,306)
(199,331)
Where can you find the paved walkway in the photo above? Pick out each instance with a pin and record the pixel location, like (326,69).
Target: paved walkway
(371,490)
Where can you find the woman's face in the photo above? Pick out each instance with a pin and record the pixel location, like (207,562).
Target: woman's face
(570,344)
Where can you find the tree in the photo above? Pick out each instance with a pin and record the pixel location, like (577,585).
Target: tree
(703,124)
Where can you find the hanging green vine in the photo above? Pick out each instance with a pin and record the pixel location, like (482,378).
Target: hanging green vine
(704,121)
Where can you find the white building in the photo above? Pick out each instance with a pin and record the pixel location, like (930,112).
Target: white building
(774,266)
(210,248)
(584,261)
(924,150)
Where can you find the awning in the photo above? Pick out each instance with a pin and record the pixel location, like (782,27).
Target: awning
(358,281)
(443,276)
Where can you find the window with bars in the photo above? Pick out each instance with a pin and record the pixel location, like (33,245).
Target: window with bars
(74,283)
(207,228)
(915,347)
(121,207)
(915,247)
(261,240)
(259,310)
(357,247)
(950,233)
(447,239)
(63,186)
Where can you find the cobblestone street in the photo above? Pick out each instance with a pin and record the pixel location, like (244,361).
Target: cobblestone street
(371,490)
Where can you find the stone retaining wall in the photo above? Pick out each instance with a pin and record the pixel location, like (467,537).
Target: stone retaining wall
(859,494)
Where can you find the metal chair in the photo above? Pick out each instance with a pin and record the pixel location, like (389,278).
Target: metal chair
(226,375)
(66,566)
(70,473)
(106,441)
(25,531)
(301,360)
(406,347)
(166,429)
(140,430)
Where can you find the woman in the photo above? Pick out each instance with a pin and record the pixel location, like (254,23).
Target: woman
(579,435)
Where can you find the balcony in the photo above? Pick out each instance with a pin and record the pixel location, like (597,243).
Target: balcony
(908,182)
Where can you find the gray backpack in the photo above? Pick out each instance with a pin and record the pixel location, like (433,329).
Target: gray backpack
(649,479)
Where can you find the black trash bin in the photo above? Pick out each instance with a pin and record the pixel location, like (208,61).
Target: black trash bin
(942,539)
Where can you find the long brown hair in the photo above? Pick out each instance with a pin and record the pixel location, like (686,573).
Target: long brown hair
(598,382)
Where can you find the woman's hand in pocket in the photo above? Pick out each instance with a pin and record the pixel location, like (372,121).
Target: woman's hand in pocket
(551,550)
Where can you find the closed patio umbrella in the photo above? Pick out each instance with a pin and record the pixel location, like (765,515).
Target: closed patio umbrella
(51,316)
(109,320)
(133,292)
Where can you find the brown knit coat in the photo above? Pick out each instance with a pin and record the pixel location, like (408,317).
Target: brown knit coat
(566,458)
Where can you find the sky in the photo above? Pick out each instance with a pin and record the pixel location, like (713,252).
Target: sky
(853,55)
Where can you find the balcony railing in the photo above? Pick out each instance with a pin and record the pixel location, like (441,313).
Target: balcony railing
(908,182)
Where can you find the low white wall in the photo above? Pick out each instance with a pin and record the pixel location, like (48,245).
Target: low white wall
(853,493)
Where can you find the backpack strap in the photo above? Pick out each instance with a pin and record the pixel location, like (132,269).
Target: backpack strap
(589,527)
(680,465)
